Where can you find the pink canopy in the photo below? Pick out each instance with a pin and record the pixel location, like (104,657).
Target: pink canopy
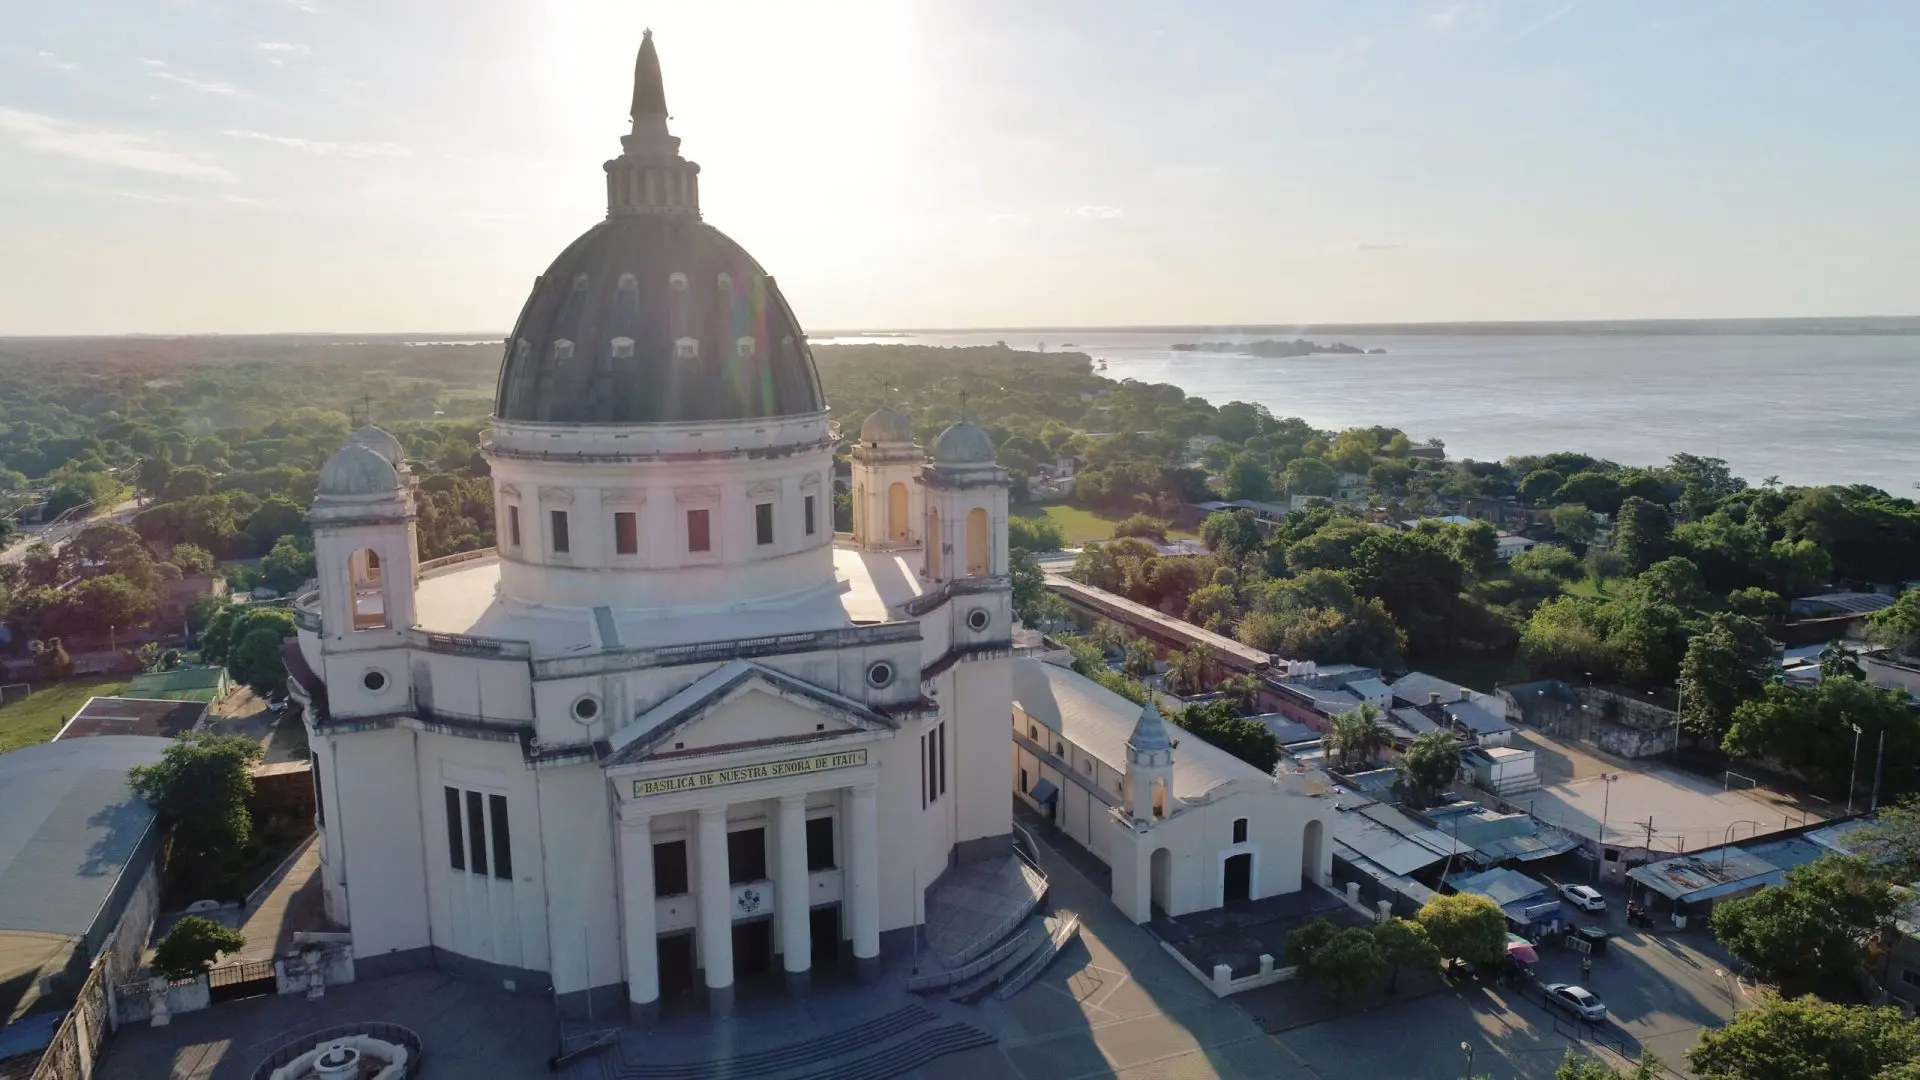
(1522,952)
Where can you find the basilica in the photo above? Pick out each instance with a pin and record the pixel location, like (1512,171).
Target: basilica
(672,731)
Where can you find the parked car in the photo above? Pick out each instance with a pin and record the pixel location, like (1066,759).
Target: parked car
(1584,897)
(277,705)
(1576,1000)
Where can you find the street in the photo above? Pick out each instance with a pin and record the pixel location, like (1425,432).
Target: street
(56,535)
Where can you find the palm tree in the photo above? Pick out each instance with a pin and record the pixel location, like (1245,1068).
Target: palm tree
(1141,658)
(1428,768)
(1357,737)
(1189,668)
(1242,690)
(1107,635)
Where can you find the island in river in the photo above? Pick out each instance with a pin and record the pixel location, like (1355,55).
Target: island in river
(1269,347)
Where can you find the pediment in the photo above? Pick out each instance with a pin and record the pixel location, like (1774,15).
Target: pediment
(740,705)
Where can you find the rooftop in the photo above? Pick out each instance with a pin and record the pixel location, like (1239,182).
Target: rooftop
(1727,870)
(462,599)
(1520,896)
(69,827)
(163,718)
(1100,721)
(1141,615)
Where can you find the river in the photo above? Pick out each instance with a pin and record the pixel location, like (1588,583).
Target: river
(1828,408)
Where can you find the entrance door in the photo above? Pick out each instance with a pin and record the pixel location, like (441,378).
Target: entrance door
(823,925)
(676,966)
(1239,875)
(752,948)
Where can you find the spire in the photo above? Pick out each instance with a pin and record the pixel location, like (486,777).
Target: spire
(1149,732)
(649,90)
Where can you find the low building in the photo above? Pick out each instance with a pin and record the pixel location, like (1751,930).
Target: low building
(1478,718)
(1507,545)
(182,684)
(1503,770)
(1692,884)
(79,880)
(1183,825)
(1528,904)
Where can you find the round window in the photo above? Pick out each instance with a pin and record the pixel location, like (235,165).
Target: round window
(375,681)
(586,708)
(880,674)
(978,618)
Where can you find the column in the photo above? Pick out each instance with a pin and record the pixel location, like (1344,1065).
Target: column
(791,894)
(715,909)
(636,898)
(863,877)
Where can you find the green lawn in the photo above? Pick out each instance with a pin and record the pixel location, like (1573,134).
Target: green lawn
(1080,526)
(1583,586)
(38,718)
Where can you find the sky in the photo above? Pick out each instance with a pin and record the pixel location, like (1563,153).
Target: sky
(252,166)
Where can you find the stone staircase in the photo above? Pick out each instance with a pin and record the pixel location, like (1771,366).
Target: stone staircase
(1060,931)
(888,1045)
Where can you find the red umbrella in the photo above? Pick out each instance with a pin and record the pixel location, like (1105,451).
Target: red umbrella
(1522,952)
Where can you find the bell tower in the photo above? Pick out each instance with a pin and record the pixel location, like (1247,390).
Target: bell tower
(365,549)
(1149,768)
(888,504)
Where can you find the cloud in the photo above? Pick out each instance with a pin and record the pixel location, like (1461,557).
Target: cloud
(1366,245)
(1004,218)
(1545,21)
(44,134)
(245,200)
(321,146)
(1092,211)
(311,7)
(55,62)
(204,86)
(277,52)
(150,197)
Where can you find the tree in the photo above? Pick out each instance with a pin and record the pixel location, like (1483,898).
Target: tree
(1726,665)
(1575,525)
(1807,1039)
(1033,604)
(1550,559)
(1892,841)
(1428,768)
(257,662)
(189,949)
(1189,669)
(1310,476)
(1813,730)
(192,559)
(1247,478)
(1233,535)
(1643,533)
(1465,926)
(1597,491)
(1809,934)
(199,789)
(1306,940)
(1140,658)
(1404,944)
(1356,737)
(1541,485)
(286,567)
(1348,964)
(1217,723)
(1837,661)
(187,483)
(50,659)
(1143,527)
(1898,627)
(1242,690)
(1035,534)
(1761,605)
(1213,606)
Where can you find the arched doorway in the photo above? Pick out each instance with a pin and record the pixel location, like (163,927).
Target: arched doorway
(897,512)
(933,544)
(979,542)
(1160,875)
(1310,841)
(1236,878)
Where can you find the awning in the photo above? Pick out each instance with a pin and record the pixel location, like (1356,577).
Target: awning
(1044,792)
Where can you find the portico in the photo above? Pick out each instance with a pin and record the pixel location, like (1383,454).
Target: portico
(747,844)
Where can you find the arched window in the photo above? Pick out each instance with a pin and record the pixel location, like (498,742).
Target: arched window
(579,283)
(367,589)
(687,348)
(563,349)
(629,283)
(979,543)
(897,512)
(1159,798)
(623,348)
(745,347)
(726,282)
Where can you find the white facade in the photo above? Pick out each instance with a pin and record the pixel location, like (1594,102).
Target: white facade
(645,746)
(1183,825)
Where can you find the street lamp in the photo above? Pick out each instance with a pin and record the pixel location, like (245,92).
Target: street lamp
(1679,707)
(1467,1048)
(1853,774)
(1606,803)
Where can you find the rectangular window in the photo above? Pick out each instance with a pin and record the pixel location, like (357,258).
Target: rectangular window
(1910,976)
(1024,786)
(670,868)
(941,748)
(560,539)
(476,833)
(926,770)
(931,754)
(820,844)
(763,523)
(513,526)
(319,800)
(502,845)
(699,531)
(1239,830)
(456,845)
(747,856)
(626,532)
(807,513)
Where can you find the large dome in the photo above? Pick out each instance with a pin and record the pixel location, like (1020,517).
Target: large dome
(654,316)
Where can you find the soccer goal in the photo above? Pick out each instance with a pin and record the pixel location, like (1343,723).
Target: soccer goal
(12,692)
(1736,782)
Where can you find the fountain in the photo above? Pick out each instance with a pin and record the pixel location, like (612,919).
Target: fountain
(347,1057)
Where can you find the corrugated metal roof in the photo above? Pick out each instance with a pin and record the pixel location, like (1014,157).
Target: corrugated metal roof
(1396,853)
(1502,886)
(1726,871)
(68,825)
